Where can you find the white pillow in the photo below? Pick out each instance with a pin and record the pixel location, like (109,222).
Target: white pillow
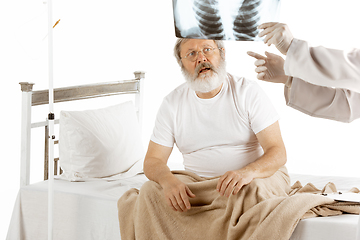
(99,143)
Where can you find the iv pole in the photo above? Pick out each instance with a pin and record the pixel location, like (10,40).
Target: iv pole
(51,118)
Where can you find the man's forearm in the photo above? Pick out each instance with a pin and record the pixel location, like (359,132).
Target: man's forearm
(268,164)
(274,152)
(157,171)
(265,166)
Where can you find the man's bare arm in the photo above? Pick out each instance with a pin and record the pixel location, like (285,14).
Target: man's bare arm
(155,168)
(274,157)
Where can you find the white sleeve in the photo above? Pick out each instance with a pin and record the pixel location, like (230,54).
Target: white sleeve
(163,132)
(260,110)
(323,66)
(323,102)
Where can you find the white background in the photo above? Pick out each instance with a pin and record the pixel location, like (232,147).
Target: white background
(107,40)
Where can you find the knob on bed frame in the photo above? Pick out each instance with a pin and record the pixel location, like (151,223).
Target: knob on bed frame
(139,74)
(26,86)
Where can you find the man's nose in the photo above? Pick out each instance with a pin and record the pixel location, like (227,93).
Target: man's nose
(201,57)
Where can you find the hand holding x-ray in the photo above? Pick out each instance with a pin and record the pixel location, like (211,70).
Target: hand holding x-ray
(269,68)
(278,34)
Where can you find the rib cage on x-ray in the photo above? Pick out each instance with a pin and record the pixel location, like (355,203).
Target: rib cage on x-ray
(222,19)
(246,22)
(208,17)
(210,22)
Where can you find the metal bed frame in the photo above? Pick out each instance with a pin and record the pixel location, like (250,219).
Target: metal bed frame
(32,98)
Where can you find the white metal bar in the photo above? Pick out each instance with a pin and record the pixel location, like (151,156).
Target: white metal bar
(25,139)
(139,98)
(51,180)
(51,123)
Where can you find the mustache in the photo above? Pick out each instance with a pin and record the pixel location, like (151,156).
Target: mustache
(205,65)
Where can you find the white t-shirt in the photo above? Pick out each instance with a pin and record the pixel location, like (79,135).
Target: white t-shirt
(218,134)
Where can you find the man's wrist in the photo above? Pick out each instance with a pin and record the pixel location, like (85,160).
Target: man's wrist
(166,179)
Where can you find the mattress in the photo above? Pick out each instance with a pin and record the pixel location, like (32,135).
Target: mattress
(342,227)
(82,210)
(88,210)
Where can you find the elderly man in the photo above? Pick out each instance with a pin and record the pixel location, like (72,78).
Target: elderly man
(223,125)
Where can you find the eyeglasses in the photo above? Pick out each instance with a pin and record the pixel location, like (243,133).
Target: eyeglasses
(193,55)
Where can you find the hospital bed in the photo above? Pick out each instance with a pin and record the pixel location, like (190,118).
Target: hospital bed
(85,207)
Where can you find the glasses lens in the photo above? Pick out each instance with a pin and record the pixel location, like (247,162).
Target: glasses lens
(192,56)
(208,51)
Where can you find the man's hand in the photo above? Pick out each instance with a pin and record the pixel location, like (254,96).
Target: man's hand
(233,181)
(155,168)
(269,68)
(278,34)
(177,195)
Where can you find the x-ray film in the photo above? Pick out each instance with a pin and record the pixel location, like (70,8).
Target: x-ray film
(223,19)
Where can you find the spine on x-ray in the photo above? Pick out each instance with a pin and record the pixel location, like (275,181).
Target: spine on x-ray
(247,20)
(208,18)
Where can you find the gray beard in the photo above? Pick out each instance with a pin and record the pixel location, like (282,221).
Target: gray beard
(208,81)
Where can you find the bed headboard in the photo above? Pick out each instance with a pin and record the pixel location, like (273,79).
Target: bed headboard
(32,98)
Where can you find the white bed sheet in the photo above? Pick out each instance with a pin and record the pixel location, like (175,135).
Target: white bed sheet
(342,227)
(88,210)
(82,210)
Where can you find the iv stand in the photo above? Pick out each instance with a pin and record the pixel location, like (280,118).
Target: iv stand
(51,118)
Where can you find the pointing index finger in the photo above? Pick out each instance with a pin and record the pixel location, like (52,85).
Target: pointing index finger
(256,55)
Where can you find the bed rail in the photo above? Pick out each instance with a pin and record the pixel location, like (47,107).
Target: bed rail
(32,98)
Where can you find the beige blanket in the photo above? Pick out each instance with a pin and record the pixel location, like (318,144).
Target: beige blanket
(265,209)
